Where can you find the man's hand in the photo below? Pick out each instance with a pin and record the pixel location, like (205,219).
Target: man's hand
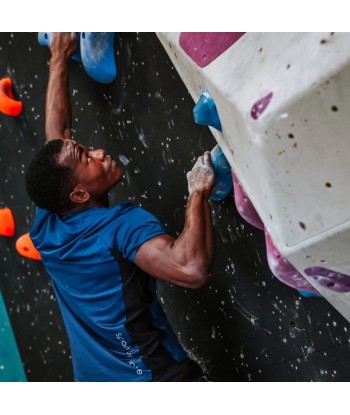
(63,44)
(202,175)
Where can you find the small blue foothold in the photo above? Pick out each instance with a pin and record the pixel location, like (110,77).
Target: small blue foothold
(223,178)
(97,54)
(205,112)
(308,294)
(44,39)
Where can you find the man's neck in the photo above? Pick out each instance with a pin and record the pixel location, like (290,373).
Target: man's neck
(80,207)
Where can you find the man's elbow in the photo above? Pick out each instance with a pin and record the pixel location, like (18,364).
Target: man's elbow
(199,283)
(197,277)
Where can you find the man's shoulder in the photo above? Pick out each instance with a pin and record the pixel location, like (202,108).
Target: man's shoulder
(126,208)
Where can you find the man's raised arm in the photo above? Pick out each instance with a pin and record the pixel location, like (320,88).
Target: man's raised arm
(58,114)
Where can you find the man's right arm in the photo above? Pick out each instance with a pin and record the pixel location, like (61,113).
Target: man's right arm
(58,117)
(185,261)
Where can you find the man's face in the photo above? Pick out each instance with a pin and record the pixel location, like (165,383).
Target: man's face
(94,170)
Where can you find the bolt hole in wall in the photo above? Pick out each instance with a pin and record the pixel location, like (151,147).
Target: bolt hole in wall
(238,326)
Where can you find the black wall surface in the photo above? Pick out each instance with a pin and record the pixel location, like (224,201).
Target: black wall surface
(244,325)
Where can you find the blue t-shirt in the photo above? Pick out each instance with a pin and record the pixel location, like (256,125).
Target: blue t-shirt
(116,327)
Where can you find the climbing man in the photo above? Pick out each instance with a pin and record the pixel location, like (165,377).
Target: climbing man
(104,261)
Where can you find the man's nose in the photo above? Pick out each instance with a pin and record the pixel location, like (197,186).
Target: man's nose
(99,154)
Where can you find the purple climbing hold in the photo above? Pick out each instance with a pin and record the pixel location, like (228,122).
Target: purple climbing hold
(204,47)
(244,205)
(333,280)
(260,106)
(284,270)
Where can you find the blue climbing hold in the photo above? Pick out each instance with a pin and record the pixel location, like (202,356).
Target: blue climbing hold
(97,55)
(44,39)
(308,294)
(205,112)
(223,178)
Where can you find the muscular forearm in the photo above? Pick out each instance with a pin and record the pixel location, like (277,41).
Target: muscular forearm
(196,240)
(58,107)
(184,261)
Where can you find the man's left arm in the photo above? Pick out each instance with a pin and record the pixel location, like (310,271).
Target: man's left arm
(58,114)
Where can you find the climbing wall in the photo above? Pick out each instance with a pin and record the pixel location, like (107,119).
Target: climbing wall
(245,324)
(282,101)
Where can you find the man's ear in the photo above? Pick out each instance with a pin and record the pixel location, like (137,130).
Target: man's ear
(79,195)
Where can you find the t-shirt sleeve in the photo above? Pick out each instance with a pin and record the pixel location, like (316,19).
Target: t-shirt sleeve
(138,226)
(37,233)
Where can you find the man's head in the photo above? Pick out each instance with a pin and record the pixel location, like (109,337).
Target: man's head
(65,175)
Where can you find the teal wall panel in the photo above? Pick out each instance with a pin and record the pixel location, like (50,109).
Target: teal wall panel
(11,368)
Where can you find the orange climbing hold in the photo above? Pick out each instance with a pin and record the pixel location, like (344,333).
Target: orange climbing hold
(8,105)
(7,223)
(25,247)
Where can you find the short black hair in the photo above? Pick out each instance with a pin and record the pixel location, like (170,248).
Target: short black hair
(48,183)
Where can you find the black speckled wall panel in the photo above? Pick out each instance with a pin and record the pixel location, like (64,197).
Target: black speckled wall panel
(244,324)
